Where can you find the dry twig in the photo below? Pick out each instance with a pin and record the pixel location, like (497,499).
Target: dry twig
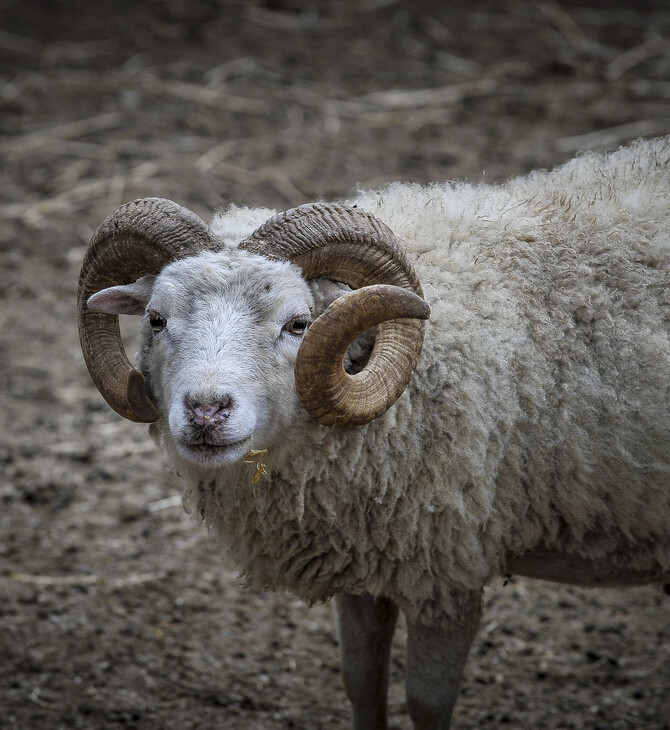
(34,141)
(87,580)
(273,175)
(636,55)
(612,136)
(20,44)
(570,31)
(36,214)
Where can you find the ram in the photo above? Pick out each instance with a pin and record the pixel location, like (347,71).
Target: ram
(394,413)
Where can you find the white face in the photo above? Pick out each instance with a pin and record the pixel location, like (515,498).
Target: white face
(221,332)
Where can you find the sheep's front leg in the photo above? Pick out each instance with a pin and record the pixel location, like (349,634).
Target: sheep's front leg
(365,627)
(436,656)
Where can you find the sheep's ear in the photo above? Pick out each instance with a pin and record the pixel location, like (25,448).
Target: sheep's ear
(127,299)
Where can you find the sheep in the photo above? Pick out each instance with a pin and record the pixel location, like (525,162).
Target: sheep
(395,413)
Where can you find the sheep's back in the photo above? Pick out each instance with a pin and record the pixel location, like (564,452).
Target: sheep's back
(538,412)
(543,390)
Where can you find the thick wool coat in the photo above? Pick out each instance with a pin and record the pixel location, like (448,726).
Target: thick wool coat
(537,417)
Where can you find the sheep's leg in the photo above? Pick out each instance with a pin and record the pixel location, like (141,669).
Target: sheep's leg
(436,656)
(365,627)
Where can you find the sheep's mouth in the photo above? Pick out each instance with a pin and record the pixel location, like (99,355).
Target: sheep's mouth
(211,454)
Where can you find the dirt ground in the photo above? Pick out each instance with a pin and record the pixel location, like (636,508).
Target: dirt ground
(115,608)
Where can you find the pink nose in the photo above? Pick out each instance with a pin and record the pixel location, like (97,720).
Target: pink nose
(208,413)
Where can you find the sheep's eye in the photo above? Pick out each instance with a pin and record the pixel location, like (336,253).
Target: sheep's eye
(297,325)
(157,321)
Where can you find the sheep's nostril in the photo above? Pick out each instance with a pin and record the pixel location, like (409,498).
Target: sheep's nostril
(208,413)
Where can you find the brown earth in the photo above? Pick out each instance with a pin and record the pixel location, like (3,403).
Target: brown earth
(115,608)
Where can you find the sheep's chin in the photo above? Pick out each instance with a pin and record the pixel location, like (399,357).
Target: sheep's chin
(212,456)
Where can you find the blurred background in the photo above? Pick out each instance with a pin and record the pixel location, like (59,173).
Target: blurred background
(115,608)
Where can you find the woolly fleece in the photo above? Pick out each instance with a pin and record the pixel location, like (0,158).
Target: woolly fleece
(538,415)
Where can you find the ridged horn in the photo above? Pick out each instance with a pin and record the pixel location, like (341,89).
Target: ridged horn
(137,239)
(351,246)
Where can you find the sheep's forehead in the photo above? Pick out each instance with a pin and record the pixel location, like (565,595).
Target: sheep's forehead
(237,278)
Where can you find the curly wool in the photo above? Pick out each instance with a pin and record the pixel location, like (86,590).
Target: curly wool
(537,415)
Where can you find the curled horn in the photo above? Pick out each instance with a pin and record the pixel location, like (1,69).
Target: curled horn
(137,239)
(351,246)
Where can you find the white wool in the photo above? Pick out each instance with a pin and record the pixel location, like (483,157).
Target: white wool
(538,414)
(238,222)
